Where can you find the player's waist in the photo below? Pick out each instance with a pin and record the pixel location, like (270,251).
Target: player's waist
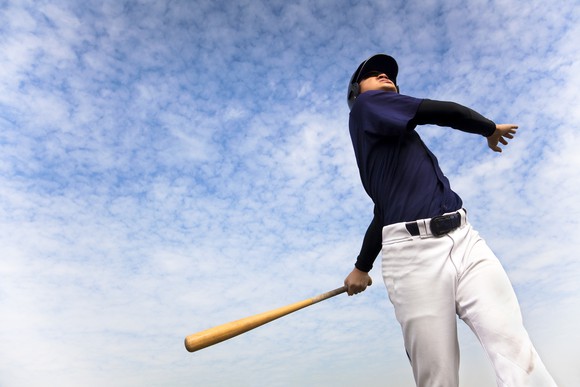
(429,227)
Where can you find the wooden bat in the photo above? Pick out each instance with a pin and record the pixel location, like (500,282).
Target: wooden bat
(226,331)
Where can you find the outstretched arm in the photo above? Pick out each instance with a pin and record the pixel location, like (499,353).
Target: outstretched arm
(463,118)
(454,115)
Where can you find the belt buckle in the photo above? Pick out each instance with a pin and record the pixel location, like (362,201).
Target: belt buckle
(442,224)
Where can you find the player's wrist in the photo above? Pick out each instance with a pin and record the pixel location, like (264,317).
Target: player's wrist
(362,267)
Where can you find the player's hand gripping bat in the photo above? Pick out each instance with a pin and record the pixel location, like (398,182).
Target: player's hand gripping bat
(224,332)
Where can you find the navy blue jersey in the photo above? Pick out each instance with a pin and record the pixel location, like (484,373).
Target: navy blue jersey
(398,172)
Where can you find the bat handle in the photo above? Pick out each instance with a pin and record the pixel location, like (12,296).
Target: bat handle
(329,294)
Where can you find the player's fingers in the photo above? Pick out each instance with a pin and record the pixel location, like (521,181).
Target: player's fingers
(353,289)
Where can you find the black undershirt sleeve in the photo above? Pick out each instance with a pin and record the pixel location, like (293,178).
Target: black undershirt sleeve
(453,115)
(372,244)
(430,112)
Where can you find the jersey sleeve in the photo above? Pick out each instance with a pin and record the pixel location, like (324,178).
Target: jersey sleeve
(382,113)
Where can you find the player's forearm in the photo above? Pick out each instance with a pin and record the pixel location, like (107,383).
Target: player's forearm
(371,246)
(453,115)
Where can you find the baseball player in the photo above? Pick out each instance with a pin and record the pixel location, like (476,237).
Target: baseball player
(434,264)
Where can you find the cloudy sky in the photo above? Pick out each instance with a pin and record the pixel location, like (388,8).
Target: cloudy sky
(168,166)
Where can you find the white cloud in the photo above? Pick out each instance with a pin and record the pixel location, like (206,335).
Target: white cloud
(165,168)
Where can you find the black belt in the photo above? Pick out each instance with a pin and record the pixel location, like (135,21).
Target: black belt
(439,225)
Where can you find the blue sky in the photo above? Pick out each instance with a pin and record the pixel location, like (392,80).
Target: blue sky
(168,166)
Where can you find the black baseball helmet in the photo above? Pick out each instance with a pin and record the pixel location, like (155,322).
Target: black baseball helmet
(379,62)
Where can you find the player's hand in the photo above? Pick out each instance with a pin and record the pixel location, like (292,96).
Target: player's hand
(501,134)
(357,281)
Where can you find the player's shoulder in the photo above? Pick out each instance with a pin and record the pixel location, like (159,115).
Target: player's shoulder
(374,99)
(387,96)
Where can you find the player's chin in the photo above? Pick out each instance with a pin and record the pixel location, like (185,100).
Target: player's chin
(389,87)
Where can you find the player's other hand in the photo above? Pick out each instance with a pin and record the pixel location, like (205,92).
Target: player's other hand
(357,281)
(500,136)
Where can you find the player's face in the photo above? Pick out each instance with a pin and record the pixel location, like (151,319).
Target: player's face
(376,81)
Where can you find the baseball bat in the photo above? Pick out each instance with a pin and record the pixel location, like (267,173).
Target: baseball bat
(211,336)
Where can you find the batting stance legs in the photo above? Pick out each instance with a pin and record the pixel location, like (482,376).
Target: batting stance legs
(431,280)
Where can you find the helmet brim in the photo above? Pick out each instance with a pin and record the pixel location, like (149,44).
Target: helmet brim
(380,62)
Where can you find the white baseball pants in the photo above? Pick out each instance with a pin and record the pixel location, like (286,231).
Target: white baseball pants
(432,279)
